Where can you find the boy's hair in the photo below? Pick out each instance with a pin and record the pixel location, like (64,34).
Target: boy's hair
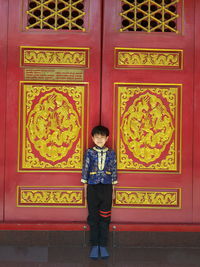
(100,130)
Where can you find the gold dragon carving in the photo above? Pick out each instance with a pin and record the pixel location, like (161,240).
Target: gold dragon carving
(55,57)
(147,198)
(146,128)
(148,59)
(53,126)
(51,197)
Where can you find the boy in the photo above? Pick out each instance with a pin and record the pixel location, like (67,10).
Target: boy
(99,176)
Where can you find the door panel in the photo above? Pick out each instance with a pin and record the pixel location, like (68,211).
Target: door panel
(148,79)
(196,186)
(3,49)
(53,81)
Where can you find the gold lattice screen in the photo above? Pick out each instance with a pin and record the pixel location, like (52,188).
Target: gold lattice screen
(149,15)
(56,14)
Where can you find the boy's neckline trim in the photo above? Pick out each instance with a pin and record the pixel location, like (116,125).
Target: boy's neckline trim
(99,149)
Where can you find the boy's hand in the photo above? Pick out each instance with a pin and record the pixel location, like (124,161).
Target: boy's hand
(85,190)
(113,193)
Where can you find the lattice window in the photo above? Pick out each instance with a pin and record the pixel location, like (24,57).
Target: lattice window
(149,15)
(56,14)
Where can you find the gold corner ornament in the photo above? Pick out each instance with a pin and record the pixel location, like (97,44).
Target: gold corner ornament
(52,126)
(148,134)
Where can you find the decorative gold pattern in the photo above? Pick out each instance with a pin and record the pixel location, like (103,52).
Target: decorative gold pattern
(50,197)
(50,56)
(148,198)
(148,58)
(101,157)
(149,15)
(52,126)
(148,127)
(56,15)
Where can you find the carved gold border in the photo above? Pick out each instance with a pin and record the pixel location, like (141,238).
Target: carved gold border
(148,197)
(84,50)
(21,134)
(50,196)
(148,58)
(178,139)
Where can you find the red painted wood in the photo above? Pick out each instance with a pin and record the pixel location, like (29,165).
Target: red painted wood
(18,37)
(113,227)
(3,64)
(113,38)
(196,144)
(126,219)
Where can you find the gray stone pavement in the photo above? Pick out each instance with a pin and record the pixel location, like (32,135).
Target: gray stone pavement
(43,256)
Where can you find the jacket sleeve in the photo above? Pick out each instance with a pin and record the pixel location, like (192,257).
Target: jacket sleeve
(86,166)
(114,169)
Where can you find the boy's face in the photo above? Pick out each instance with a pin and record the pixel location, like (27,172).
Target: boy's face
(99,139)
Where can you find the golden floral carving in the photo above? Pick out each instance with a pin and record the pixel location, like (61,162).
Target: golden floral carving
(32,162)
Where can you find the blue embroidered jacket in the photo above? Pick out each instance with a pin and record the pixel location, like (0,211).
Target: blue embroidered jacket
(100,166)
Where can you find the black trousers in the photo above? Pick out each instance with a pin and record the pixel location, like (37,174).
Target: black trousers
(99,198)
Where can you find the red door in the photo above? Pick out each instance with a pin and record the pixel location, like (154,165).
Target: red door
(64,58)
(53,101)
(148,66)
(3,49)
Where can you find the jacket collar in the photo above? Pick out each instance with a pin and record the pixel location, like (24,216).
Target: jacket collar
(100,149)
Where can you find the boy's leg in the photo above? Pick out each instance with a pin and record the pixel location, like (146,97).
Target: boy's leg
(93,216)
(105,213)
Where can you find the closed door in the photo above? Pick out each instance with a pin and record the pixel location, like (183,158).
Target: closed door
(72,64)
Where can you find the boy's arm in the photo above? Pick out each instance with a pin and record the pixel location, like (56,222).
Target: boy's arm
(114,169)
(114,174)
(85,190)
(85,170)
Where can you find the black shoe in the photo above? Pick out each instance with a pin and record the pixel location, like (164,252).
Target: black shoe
(94,253)
(104,252)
